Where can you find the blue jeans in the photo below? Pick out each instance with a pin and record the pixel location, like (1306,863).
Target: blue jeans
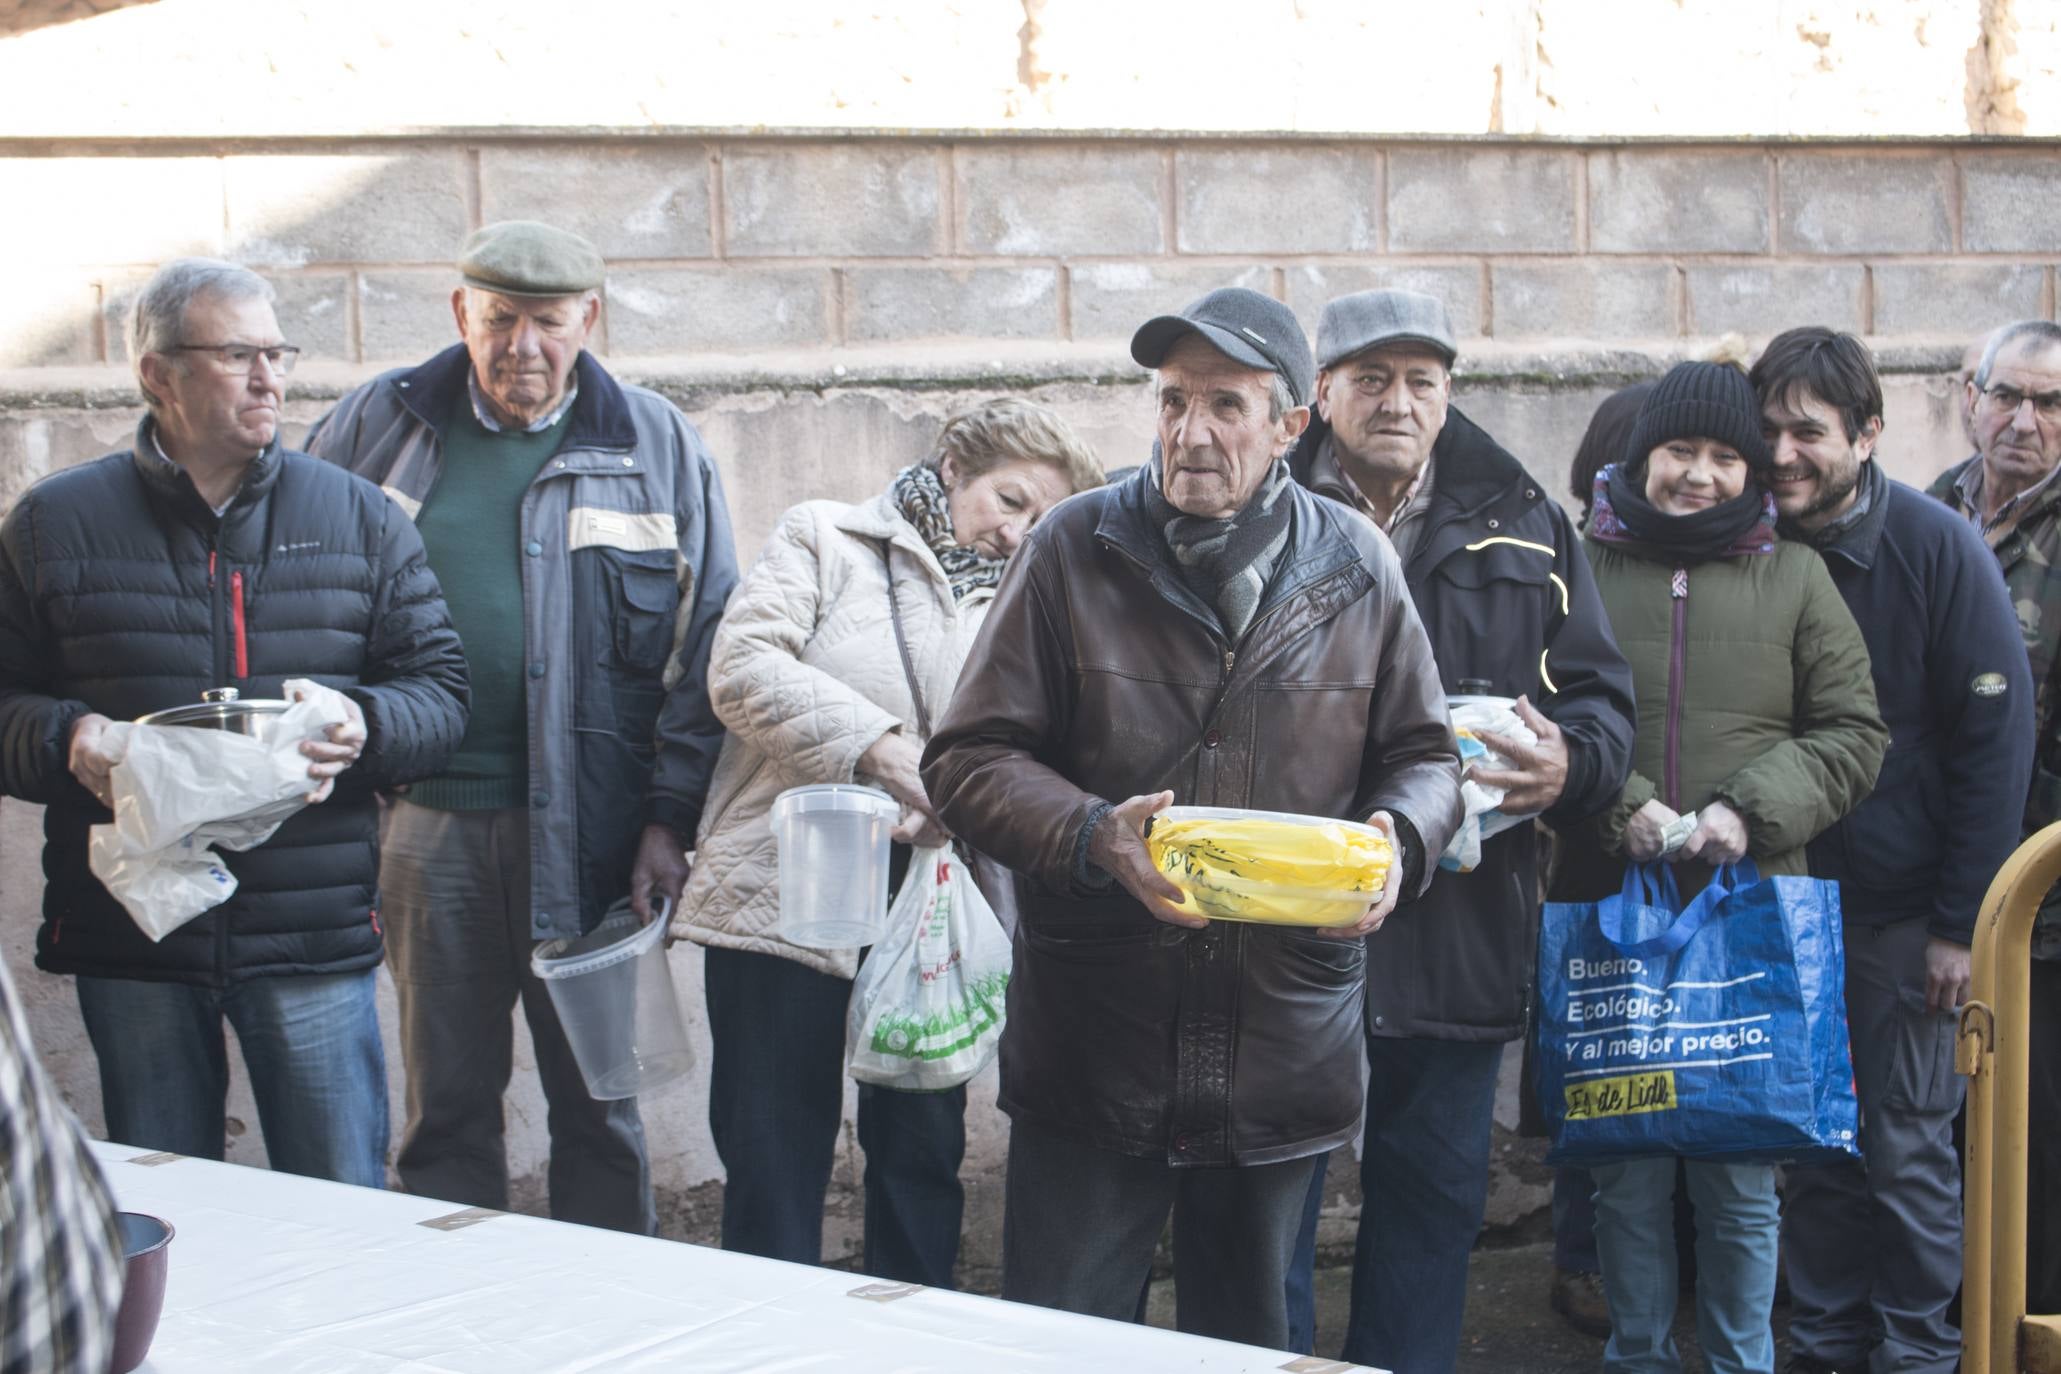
(1737,1227)
(1079,1227)
(310,1046)
(776,1100)
(1424,1186)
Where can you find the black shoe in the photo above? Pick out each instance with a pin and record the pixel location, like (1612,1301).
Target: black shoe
(1808,1364)
(1579,1299)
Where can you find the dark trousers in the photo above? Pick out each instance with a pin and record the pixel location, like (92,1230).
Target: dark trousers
(1424,1186)
(456,892)
(1574,1221)
(2043,1195)
(1080,1225)
(776,1100)
(1874,1245)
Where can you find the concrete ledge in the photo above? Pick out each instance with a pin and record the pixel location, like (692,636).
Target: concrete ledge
(1003,366)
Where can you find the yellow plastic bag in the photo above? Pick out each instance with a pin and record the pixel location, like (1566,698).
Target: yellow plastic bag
(1270,867)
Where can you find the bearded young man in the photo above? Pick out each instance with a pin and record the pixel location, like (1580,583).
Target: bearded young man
(1874,1245)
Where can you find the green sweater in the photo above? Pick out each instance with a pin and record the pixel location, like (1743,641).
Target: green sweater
(471,526)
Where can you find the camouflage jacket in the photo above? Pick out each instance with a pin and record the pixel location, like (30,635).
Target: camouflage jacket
(2030,556)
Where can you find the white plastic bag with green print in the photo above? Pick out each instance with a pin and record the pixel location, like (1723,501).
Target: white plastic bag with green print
(927,1006)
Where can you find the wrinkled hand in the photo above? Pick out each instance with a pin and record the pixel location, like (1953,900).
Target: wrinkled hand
(660,870)
(1642,833)
(338,750)
(89,762)
(1539,771)
(1719,837)
(1118,848)
(1391,889)
(1947,974)
(894,759)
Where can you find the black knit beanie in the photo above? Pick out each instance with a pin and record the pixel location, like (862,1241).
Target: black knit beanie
(1701,401)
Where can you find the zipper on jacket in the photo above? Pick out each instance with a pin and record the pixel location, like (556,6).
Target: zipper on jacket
(218,656)
(1677,674)
(238,626)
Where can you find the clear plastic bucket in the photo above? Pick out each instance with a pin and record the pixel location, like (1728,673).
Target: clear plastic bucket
(833,864)
(614,993)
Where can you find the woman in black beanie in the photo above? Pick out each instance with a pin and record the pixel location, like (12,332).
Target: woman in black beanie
(1756,713)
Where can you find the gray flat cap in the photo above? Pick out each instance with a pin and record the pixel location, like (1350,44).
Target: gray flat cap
(520,257)
(1367,319)
(1245,327)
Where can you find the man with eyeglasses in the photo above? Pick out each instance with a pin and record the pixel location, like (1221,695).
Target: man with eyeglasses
(2008,492)
(213,556)
(1874,1245)
(579,528)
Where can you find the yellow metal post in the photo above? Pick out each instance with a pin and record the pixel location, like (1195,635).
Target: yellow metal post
(1995,1049)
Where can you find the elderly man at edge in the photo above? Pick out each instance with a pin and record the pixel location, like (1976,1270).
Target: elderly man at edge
(1207,632)
(579,528)
(1497,575)
(2007,492)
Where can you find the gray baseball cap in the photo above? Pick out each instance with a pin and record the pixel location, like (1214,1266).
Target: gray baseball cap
(1367,319)
(1245,326)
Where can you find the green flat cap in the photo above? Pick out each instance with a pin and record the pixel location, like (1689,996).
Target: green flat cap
(520,257)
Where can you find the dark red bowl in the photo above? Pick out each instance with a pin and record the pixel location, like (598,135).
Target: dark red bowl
(146,1250)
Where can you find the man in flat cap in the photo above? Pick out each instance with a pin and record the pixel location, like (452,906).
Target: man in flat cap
(579,529)
(1498,577)
(1204,633)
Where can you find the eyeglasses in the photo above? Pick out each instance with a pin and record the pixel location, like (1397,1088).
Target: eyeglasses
(2006,400)
(238,359)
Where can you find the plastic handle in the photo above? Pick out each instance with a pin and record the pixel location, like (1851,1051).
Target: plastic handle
(1646,887)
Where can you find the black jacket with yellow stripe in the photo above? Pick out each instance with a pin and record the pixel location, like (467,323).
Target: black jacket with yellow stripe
(1505,593)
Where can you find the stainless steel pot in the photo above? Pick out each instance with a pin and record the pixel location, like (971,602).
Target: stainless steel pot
(220,708)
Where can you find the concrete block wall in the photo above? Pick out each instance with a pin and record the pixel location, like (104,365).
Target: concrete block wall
(745,246)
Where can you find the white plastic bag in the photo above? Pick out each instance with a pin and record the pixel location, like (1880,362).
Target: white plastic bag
(1472,715)
(180,790)
(927,1007)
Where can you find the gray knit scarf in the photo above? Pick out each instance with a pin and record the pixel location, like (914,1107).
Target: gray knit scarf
(1227,562)
(920,497)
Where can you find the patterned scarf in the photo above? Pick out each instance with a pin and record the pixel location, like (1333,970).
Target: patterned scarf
(1226,562)
(920,497)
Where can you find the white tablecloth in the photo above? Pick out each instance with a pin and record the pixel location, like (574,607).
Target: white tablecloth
(288,1275)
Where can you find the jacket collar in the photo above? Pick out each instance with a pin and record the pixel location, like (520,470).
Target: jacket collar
(1859,542)
(1317,544)
(600,414)
(1474,472)
(169,482)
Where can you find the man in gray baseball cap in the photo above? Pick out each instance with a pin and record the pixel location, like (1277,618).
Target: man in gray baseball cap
(1205,632)
(579,531)
(1499,580)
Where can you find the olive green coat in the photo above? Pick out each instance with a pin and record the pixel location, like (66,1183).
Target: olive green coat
(1772,711)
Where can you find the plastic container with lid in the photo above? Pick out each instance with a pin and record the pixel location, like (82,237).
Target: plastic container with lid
(833,841)
(1269,866)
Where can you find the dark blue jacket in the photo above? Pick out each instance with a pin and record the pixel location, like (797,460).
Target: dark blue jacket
(122,593)
(1953,686)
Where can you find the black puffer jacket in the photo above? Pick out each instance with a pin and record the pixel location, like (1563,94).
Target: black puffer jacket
(122,593)
(1505,593)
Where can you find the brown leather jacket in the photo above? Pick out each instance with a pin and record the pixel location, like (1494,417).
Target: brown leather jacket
(1100,676)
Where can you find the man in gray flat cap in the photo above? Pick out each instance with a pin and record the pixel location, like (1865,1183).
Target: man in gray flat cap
(1207,633)
(1499,580)
(579,530)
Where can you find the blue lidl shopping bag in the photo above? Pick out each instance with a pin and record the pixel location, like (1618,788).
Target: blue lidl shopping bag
(1712,1029)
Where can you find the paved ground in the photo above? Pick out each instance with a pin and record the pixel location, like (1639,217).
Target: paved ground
(1510,1330)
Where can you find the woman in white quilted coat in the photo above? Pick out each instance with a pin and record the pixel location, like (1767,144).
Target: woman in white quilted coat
(806,674)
